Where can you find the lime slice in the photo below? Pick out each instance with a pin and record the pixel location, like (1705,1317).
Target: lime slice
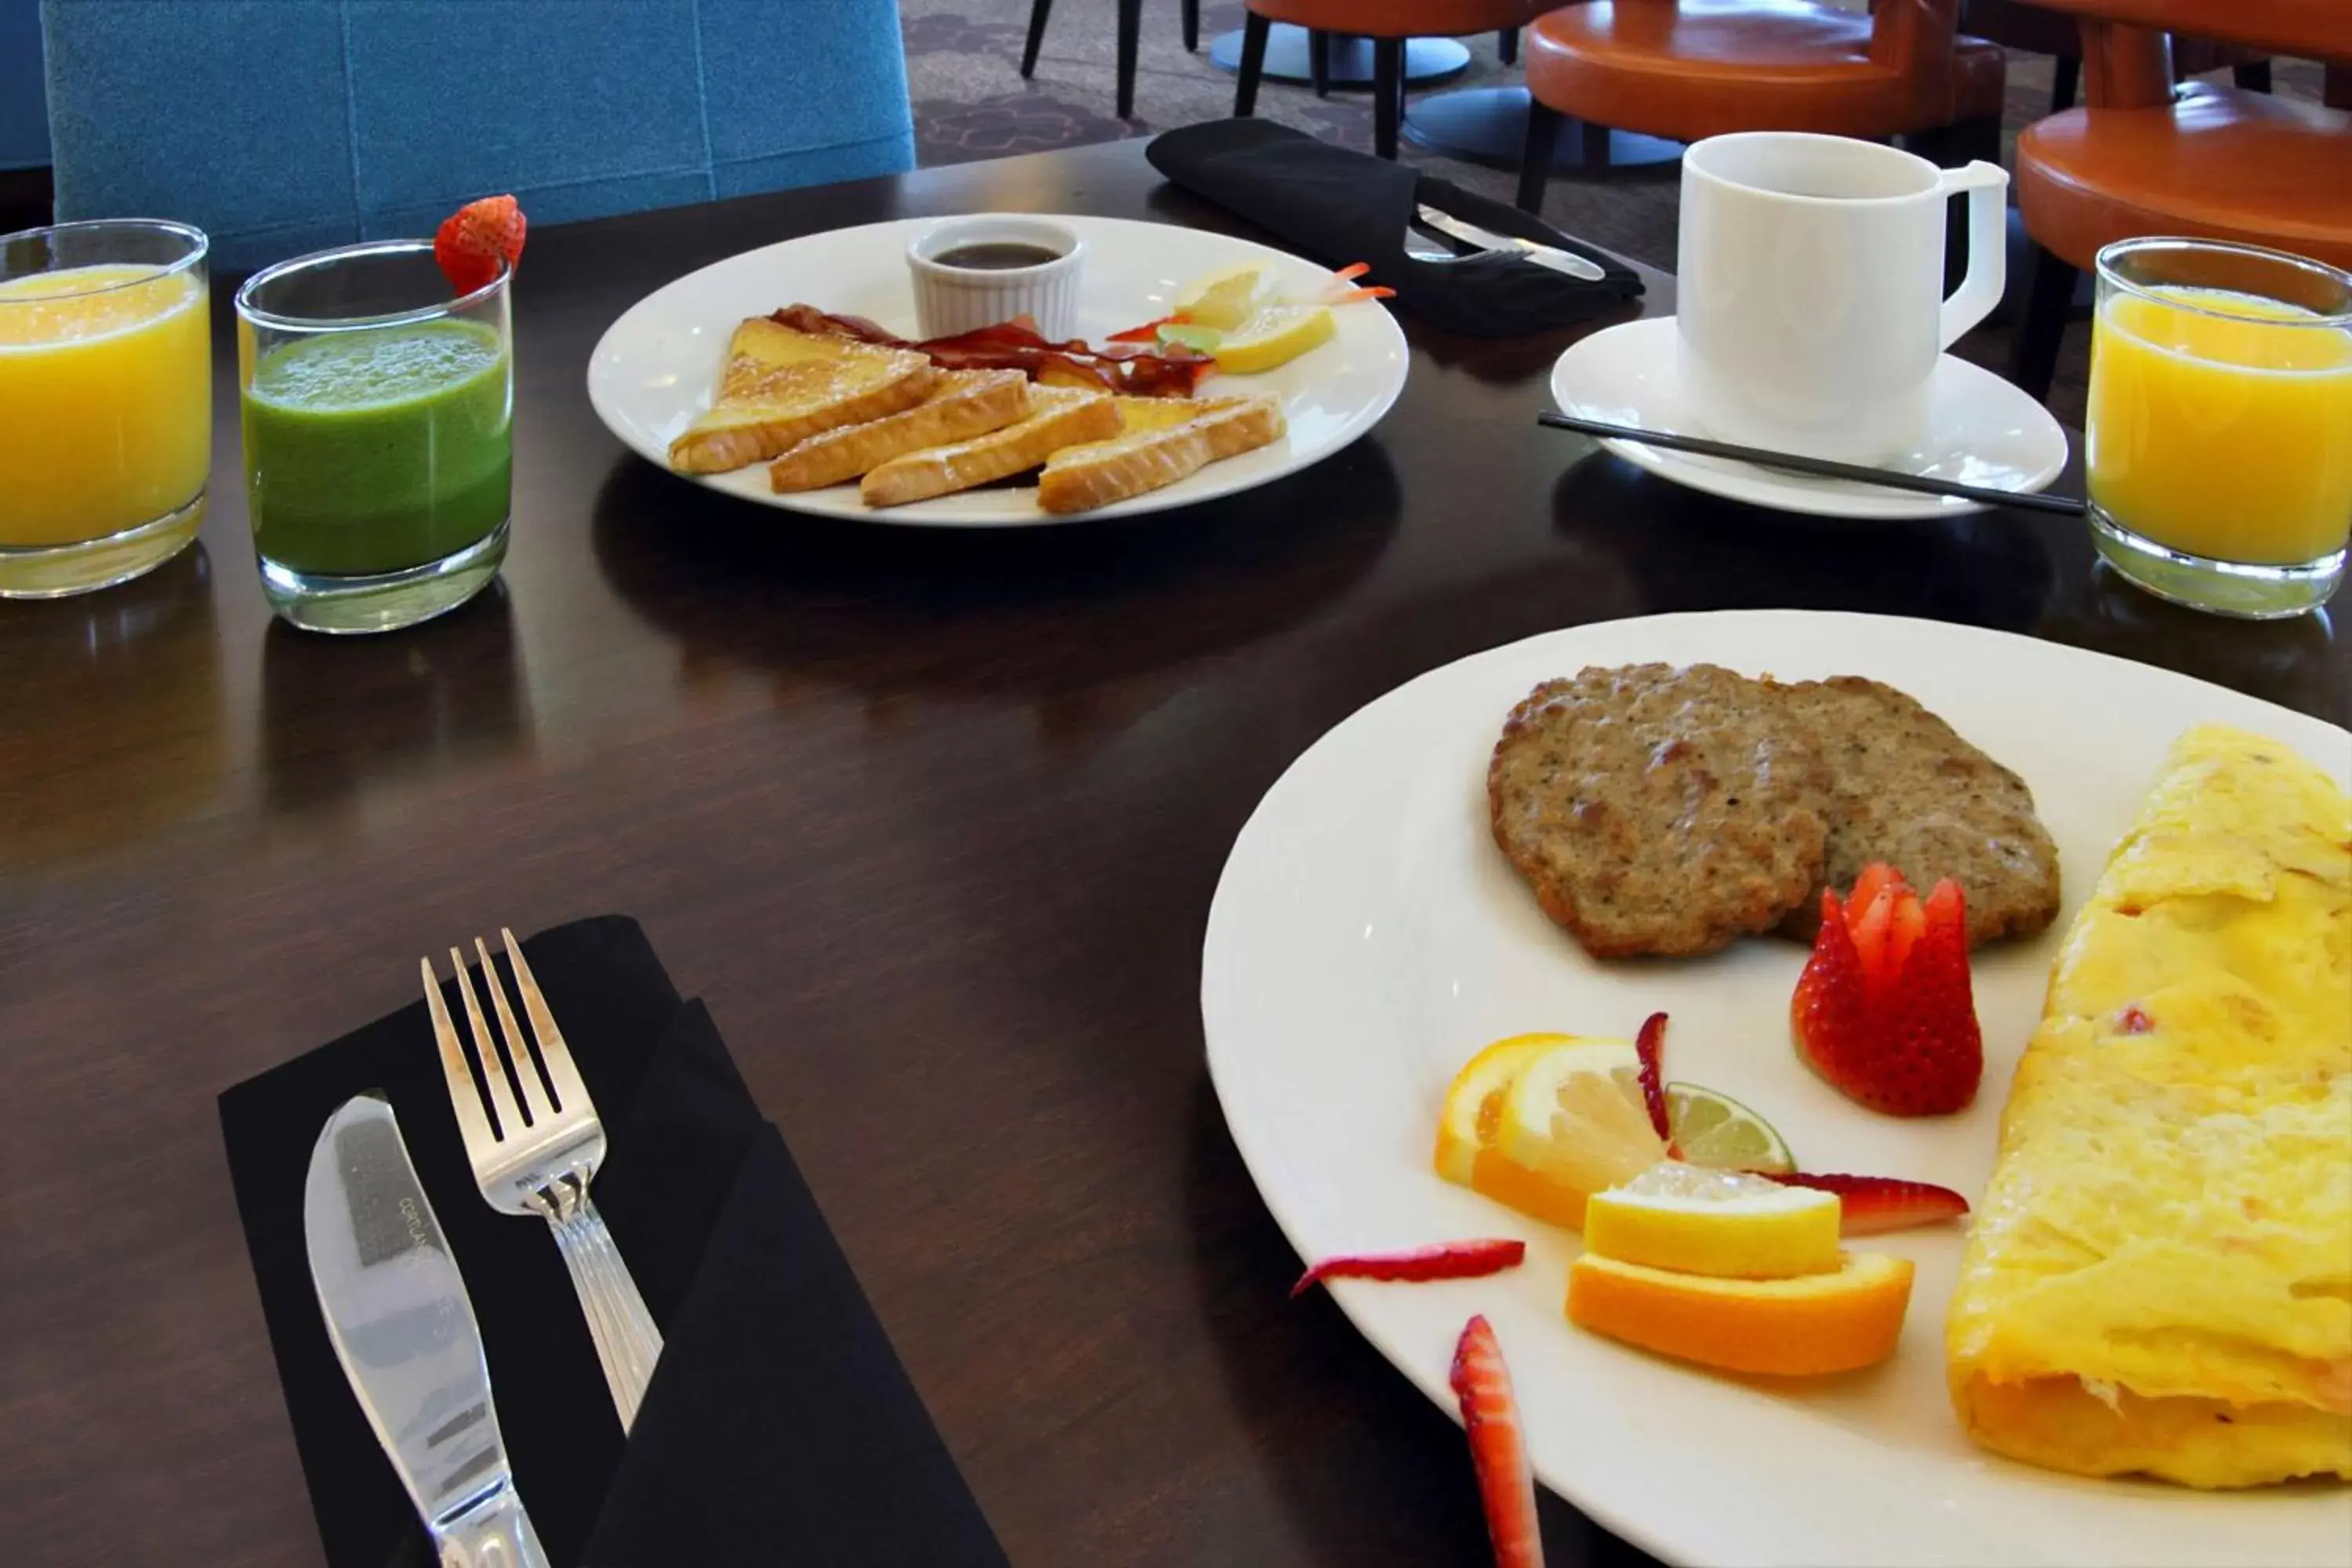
(1716,1130)
(1203,339)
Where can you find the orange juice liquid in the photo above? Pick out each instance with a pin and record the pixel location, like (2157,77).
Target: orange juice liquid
(105,401)
(2228,437)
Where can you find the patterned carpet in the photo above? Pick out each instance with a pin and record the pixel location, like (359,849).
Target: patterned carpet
(963,65)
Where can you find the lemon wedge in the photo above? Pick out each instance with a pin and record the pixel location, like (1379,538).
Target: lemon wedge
(1221,300)
(1573,1120)
(1274,336)
(1723,1224)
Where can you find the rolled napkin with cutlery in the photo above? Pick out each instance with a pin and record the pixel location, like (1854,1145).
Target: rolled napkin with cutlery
(779,1424)
(1338,206)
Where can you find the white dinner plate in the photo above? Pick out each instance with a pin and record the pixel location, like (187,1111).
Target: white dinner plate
(1981,431)
(654,368)
(1367,937)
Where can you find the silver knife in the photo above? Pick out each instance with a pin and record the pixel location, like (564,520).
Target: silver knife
(403,1329)
(1549,256)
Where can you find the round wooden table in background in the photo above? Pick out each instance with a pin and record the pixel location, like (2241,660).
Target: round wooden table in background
(932,821)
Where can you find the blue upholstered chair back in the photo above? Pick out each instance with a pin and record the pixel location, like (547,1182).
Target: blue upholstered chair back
(24,117)
(283,126)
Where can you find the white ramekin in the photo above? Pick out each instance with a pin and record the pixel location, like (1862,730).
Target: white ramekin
(952,300)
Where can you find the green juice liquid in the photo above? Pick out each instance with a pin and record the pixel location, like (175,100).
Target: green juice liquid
(376,450)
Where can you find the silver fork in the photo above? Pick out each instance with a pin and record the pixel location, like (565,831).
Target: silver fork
(533,1135)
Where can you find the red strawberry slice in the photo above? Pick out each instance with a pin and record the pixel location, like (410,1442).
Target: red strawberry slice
(476,238)
(1445,1260)
(1868,1205)
(1884,1010)
(1650,1045)
(1498,1447)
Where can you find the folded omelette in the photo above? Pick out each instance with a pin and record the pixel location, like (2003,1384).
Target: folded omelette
(2159,1279)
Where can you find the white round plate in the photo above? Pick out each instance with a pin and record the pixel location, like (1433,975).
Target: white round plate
(654,368)
(1983,431)
(1367,939)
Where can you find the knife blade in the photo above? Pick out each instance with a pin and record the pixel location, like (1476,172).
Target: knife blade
(403,1329)
(1549,256)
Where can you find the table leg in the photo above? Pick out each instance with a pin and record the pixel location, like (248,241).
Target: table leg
(1489,125)
(1426,60)
(1130,27)
(1388,94)
(1251,65)
(1038,11)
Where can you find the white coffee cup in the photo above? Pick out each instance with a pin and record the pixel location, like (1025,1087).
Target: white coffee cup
(1810,288)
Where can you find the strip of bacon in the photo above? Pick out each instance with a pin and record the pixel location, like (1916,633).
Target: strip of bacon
(1133,369)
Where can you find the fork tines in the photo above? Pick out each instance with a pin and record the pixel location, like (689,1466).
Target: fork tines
(514,1081)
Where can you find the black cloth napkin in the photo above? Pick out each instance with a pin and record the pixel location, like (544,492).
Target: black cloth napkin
(1338,208)
(779,1426)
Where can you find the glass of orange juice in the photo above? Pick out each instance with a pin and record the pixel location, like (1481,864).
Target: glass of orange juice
(105,401)
(2220,424)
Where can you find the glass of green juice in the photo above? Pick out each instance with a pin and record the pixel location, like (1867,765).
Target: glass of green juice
(379,435)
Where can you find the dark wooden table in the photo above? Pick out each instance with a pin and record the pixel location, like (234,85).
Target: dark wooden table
(933,822)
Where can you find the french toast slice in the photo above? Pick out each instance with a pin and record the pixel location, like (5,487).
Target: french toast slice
(780,386)
(1059,416)
(1137,415)
(1081,478)
(961,404)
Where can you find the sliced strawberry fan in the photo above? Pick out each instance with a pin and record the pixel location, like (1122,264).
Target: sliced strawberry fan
(1884,1009)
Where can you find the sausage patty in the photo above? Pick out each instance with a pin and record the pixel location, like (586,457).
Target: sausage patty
(1659,810)
(1905,788)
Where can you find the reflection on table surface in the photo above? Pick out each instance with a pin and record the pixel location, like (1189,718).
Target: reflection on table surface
(133,712)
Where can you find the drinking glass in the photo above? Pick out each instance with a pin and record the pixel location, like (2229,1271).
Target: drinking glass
(379,450)
(2220,424)
(105,401)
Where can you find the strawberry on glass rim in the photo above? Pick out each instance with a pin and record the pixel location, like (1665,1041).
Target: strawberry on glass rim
(476,238)
(1884,1009)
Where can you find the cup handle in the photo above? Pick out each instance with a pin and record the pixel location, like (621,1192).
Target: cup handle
(1987,191)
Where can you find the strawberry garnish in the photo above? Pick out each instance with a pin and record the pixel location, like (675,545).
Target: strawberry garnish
(1446,1260)
(1650,1045)
(1867,1204)
(476,238)
(1499,1447)
(1884,1009)
(1149,330)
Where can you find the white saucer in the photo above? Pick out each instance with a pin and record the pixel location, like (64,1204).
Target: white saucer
(1982,431)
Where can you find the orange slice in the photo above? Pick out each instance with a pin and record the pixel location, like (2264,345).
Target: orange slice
(1469,1130)
(1798,1328)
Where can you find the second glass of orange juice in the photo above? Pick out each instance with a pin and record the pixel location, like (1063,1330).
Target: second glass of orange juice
(2220,424)
(105,401)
